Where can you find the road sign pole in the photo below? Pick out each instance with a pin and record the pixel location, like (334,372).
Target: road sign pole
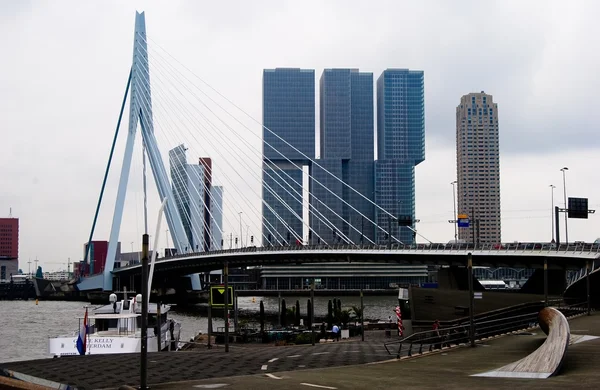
(226,308)
(471,319)
(312,312)
(145,292)
(209,346)
(556,222)
(587,282)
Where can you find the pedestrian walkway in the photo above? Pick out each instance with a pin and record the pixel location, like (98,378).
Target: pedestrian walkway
(447,369)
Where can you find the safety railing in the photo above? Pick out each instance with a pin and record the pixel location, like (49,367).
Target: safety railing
(581,274)
(459,334)
(486,325)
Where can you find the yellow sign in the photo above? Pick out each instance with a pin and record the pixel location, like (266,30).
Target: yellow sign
(217,296)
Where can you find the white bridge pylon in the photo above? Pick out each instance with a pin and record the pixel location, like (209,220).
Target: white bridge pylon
(140,111)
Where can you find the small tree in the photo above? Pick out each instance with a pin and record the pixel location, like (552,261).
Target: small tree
(308,315)
(283,313)
(337,308)
(344,318)
(297,313)
(262,317)
(357,313)
(290,315)
(329,314)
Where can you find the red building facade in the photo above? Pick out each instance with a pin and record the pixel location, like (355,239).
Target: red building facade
(96,258)
(9,238)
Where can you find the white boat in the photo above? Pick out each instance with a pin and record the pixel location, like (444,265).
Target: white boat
(116,328)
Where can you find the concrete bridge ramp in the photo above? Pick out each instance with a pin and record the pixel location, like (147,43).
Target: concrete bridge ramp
(548,358)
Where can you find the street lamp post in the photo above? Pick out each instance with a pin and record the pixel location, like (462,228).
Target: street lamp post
(240,213)
(564,170)
(167,237)
(552,187)
(131,246)
(454,218)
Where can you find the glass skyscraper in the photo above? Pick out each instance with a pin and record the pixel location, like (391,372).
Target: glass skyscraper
(347,152)
(199,204)
(288,146)
(400,147)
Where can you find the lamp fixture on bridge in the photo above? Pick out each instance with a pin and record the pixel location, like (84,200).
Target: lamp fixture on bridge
(112,298)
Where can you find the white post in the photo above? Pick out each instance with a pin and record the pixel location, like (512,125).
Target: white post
(155,247)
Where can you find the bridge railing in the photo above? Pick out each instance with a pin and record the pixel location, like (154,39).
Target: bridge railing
(578,275)
(517,247)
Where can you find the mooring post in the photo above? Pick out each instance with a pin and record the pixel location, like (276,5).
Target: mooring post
(362,317)
(158,327)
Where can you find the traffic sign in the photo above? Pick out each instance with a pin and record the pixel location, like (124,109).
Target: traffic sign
(217,296)
(578,208)
(462,220)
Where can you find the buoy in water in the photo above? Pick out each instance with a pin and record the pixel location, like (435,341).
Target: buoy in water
(253,300)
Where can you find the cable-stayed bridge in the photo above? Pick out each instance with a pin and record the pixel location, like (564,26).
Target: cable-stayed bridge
(176,114)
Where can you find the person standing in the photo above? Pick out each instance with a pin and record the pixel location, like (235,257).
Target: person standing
(336,332)
(436,335)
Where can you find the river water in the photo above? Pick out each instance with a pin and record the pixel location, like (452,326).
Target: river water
(25,327)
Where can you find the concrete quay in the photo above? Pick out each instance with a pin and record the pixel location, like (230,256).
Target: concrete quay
(344,365)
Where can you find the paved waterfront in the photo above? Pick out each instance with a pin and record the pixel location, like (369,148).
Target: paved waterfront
(336,366)
(102,371)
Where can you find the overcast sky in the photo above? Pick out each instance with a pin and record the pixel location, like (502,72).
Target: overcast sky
(64,66)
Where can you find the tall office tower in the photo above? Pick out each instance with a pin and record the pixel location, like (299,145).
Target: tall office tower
(338,213)
(179,178)
(9,247)
(478,167)
(400,147)
(196,202)
(288,146)
(216,211)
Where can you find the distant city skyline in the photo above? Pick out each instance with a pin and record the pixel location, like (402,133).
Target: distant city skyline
(535,61)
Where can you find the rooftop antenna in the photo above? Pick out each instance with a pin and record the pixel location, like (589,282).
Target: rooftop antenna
(10,212)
